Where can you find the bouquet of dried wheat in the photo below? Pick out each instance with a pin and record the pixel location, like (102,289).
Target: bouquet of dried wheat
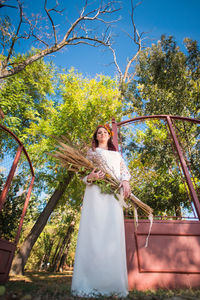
(74,159)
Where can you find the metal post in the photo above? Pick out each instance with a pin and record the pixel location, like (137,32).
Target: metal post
(10,177)
(184,167)
(115,137)
(24,210)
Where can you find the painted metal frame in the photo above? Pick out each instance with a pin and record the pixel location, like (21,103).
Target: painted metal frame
(171,259)
(168,119)
(7,248)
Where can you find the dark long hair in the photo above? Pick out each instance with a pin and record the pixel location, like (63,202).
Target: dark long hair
(95,142)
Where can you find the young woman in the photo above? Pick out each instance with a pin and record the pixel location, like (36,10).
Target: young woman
(100,260)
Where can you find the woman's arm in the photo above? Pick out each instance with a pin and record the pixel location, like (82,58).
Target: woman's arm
(125,177)
(126,188)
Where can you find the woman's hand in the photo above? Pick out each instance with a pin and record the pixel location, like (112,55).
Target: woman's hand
(126,188)
(95,175)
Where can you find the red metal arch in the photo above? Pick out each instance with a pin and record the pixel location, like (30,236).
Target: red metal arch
(168,119)
(171,259)
(7,248)
(157,117)
(20,143)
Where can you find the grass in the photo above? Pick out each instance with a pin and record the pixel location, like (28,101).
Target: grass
(56,286)
(41,285)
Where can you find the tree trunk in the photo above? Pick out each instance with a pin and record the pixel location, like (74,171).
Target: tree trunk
(64,256)
(55,255)
(45,259)
(178,212)
(63,245)
(20,259)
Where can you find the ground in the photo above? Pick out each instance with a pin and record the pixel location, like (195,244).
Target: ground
(56,286)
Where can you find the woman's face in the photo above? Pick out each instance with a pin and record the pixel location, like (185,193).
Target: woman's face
(102,135)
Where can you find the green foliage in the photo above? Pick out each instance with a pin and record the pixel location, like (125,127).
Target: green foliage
(167,80)
(49,242)
(12,209)
(41,252)
(24,97)
(84,103)
(156,178)
(34,114)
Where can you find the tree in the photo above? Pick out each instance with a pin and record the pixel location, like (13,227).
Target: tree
(62,253)
(26,97)
(96,104)
(52,40)
(67,245)
(167,82)
(86,103)
(24,100)
(129,73)
(156,177)
(20,259)
(12,209)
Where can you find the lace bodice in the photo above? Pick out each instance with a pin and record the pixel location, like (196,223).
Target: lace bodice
(111,162)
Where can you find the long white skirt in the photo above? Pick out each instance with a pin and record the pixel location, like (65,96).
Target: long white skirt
(100,260)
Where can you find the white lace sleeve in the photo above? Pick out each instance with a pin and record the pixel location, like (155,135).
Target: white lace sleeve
(124,172)
(89,156)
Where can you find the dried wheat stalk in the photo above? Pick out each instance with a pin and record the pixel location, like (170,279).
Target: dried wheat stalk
(73,159)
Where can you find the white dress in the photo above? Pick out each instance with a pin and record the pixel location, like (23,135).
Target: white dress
(100,260)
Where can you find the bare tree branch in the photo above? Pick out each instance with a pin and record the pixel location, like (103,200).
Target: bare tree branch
(85,40)
(51,20)
(17,32)
(137,40)
(6,34)
(39,40)
(79,32)
(116,64)
(6,5)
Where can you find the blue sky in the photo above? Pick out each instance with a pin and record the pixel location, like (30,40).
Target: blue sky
(179,18)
